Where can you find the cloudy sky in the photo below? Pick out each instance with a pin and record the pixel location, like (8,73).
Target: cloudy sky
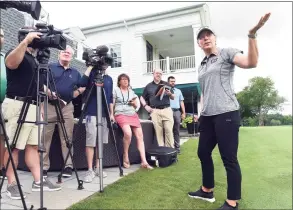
(230,20)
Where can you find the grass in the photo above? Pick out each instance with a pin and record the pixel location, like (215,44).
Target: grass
(265,156)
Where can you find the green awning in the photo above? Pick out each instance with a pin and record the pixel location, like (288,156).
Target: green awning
(182,87)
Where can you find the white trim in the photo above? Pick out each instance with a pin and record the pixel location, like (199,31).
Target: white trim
(174,72)
(149,18)
(145,32)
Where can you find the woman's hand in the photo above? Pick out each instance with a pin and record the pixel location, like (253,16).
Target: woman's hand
(112,118)
(132,103)
(260,24)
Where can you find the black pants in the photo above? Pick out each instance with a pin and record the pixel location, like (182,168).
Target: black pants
(223,130)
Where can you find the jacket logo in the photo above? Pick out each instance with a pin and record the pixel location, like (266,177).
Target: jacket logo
(214,60)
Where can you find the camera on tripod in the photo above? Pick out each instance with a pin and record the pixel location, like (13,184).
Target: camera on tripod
(50,38)
(99,59)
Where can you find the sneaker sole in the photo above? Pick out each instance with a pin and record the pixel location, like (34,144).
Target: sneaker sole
(14,198)
(46,189)
(211,200)
(87,181)
(66,175)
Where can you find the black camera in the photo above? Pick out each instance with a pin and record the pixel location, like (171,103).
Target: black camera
(99,59)
(31,7)
(50,38)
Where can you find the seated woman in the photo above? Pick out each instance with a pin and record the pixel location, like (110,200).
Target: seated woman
(124,104)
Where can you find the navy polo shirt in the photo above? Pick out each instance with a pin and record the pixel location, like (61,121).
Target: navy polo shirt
(91,108)
(66,81)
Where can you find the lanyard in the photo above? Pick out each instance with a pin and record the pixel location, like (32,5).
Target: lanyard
(125,102)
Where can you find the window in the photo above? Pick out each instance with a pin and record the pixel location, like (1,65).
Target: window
(115,51)
(149,52)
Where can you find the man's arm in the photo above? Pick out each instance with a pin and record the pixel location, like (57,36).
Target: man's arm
(170,94)
(82,82)
(84,79)
(182,107)
(15,57)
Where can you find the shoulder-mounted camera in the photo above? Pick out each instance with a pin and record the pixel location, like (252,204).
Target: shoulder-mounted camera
(50,38)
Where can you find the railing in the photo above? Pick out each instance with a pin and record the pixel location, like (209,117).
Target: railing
(170,64)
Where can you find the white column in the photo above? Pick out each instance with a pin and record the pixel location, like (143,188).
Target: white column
(168,64)
(198,53)
(138,56)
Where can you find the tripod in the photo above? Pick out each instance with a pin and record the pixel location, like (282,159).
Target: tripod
(41,72)
(101,100)
(42,58)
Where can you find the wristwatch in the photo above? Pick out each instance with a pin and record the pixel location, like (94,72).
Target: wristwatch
(252,36)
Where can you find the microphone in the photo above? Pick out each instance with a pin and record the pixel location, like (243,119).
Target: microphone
(102,50)
(85,55)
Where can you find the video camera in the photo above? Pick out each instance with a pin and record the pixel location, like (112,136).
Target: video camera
(31,7)
(50,37)
(99,58)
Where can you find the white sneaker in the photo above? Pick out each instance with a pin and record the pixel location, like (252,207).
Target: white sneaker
(104,173)
(89,176)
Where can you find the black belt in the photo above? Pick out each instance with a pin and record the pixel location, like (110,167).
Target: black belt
(18,98)
(175,110)
(160,107)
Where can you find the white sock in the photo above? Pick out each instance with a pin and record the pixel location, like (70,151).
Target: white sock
(39,182)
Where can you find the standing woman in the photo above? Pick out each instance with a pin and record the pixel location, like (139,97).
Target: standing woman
(125,102)
(220,117)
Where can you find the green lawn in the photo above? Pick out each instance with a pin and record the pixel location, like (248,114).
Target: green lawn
(265,156)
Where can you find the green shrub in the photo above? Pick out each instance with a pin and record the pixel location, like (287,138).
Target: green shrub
(188,119)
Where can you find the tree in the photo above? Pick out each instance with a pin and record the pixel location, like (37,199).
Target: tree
(259,97)
(243,98)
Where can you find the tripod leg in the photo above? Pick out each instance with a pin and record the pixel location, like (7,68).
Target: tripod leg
(12,163)
(112,132)
(99,137)
(69,145)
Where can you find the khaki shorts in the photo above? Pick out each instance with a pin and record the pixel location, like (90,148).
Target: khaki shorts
(91,131)
(29,131)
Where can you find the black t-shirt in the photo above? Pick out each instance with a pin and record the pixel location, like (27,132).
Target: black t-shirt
(18,80)
(150,96)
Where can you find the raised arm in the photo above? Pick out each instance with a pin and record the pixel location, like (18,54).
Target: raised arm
(251,59)
(15,57)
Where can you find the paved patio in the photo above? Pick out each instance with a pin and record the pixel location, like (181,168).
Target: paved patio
(69,194)
(64,198)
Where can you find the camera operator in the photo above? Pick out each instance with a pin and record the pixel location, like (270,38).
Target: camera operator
(20,67)
(2,96)
(66,78)
(91,121)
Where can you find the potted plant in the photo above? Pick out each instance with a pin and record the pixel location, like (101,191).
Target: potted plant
(189,124)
